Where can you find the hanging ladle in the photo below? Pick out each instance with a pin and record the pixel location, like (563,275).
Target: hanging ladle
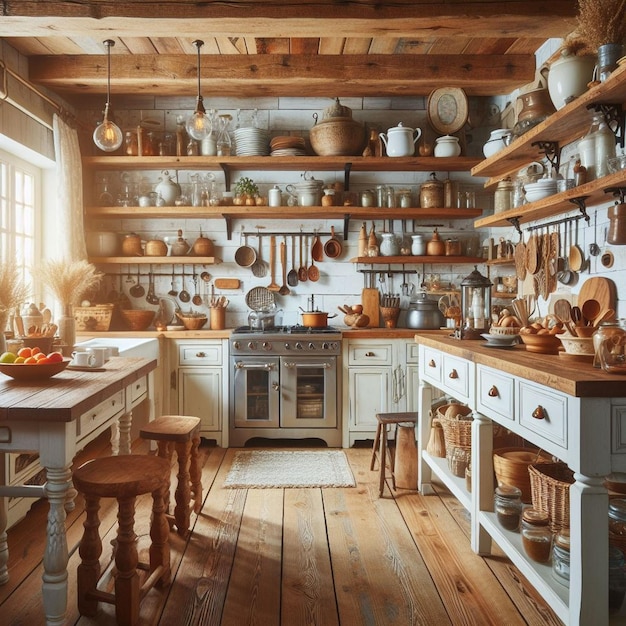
(173,291)
(184,296)
(151,297)
(137,290)
(197,298)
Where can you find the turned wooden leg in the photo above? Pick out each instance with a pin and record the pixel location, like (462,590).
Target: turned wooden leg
(375,446)
(90,550)
(159,533)
(165,449)
(183,491)
(127,596)
(382,460)
(196,474)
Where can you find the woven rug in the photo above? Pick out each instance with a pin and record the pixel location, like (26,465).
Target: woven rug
(267,469)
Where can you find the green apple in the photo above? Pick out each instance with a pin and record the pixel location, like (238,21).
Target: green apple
(7,357)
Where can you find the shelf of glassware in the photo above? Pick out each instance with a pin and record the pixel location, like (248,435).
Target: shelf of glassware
(564,126)
(592,193)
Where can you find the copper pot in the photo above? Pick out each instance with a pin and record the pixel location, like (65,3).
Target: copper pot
(316,319)
(536,104)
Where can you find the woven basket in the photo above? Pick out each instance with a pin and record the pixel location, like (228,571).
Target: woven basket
(97,317)
(457,434)
(549,486)
(510,466)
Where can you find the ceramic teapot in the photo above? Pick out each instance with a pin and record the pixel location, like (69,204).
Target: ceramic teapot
(400,140)
(179,247)
(167,189)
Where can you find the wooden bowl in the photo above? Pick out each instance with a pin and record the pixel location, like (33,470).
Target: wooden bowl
(541,344)
(137,319)
(20,371)
(192,322)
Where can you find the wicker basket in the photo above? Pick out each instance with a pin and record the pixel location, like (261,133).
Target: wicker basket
(97,317)
(457,434)
(549,486)
(511,467)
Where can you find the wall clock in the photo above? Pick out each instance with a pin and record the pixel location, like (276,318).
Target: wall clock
(447,110)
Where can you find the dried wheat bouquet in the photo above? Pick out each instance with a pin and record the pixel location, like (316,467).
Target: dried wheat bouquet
(70,281)
(602,21)
(12,290)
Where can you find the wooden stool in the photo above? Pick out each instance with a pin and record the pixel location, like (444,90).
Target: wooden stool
(124,478)
(380,447)
(182,433)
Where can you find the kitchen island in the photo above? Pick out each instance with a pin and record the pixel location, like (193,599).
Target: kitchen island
(56,418)
(572,411)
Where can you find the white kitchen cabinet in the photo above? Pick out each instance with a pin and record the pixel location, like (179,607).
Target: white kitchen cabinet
(380,376)
(198,384)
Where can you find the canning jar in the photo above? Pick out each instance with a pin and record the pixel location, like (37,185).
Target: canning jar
(431,193)
(561,557)
(617,578)
(617,521)
(508,506)
(503,196)
(536,535)
(609,343)
(404,198)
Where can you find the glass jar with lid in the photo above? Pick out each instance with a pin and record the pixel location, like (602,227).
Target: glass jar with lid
(609,343)
(561,557)
(508,506)
(617,578)
(536,535)
(503,195)
(404,198)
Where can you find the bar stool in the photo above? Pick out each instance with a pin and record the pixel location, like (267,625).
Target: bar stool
(180,433)
(124,478)
(380,449)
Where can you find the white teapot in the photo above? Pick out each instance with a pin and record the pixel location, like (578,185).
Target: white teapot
(400,140)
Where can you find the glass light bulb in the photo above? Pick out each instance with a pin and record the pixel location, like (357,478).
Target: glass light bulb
(107,136)
(199,125)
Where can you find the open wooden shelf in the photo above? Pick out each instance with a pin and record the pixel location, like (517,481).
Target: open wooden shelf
(155,260)
(408,260)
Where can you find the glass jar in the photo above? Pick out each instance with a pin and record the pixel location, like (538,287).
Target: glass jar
(404,198)
(453,247)
(536,535)
(617,578)
(450,193)
(224,142)
(609,343)
(131,146)
(561,557)
(508,506)
(503,196)
(368,198)
(605,330)
(604,146)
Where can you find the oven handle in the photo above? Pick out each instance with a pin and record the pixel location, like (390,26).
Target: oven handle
(292,364)
(240,365)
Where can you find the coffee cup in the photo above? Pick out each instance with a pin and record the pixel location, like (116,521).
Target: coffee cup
(99,354)
(83,359)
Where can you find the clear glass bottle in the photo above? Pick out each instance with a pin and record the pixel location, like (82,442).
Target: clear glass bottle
(607,332)
(561,557)
(536,535)
(224,142)
(508,506)
(605,147)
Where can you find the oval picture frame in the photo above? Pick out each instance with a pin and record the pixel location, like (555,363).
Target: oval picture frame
(447,109)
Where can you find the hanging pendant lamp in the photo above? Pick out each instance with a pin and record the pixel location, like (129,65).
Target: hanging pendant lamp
(108,136)
(199,125)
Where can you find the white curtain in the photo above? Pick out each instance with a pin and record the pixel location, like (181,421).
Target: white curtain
(69,175)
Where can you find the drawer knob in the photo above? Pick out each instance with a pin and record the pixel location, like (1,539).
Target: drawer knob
(200,355)
(493,392)
(453,374)
(539,413)
(431,363)
(369,354)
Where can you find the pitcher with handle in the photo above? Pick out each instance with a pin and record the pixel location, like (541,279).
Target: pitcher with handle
(400,140)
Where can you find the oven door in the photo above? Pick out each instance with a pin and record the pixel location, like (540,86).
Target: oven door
(308,392)
(254,392)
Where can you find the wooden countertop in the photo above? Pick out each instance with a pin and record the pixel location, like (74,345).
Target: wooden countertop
(575,379)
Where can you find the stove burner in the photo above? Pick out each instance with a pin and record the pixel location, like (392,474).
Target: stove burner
(287,330)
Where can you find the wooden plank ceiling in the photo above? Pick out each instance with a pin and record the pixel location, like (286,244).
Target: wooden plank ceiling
(283,47)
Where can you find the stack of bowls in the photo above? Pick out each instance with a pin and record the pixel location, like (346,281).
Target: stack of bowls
(541,189)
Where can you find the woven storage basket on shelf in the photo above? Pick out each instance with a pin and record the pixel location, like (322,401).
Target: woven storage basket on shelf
(457,434)
(510,466)
(549,486)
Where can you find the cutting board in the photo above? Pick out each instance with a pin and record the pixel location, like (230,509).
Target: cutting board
(598,288)
(370,302)
(227,283)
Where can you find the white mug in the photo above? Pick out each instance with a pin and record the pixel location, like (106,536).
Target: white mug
(99,354)
(113,351)
(83,359)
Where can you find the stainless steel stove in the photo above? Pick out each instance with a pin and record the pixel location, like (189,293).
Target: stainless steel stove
(284,384)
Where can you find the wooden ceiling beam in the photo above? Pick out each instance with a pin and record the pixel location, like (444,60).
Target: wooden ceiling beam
(288,18)
(289,75)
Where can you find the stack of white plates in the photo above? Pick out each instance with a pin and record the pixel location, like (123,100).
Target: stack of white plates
(252,142)
(288,146)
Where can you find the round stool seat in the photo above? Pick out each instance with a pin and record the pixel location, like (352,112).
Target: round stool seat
(171,428)
(122,476)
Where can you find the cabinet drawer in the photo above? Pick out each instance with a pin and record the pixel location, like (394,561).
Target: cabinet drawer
(543,412)
(495,393)
(431,365)
(200,354)
(370,354)
(412,352)
(100,413)
(138,391)
(456,377)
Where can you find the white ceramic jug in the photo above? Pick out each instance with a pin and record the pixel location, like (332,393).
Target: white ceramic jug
(400,140)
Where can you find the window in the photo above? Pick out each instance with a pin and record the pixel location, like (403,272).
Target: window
(19,214)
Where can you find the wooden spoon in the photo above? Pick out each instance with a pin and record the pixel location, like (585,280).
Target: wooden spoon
(273,286)
(317,249)
(563,310)
(302,270)
(576,256)
(603,316)
(313,273)
(292,277)
(284,289)
(590,310)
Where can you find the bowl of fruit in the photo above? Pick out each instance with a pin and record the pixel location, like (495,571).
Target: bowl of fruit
(32,364)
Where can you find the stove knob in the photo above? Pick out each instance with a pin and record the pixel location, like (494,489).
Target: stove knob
(311,346)
(298,345)
(236,345)
(325,346)
(287,345)
(252,345)
(267,345)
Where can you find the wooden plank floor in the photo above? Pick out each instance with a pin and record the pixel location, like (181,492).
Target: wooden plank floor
(295,557)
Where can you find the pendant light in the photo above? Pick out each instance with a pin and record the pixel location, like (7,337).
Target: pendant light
(199,125)
(108,136)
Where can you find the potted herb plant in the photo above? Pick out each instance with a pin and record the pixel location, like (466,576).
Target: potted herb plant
(246,191)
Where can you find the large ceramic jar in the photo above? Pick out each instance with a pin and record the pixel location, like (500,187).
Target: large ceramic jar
(389,246)
(568,78)
(447,146)
(167,189)
(498,139)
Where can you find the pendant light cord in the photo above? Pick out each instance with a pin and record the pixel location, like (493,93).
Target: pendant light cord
(108,43)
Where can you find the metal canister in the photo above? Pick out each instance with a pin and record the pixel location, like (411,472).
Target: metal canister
(503,195)
(431,193)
